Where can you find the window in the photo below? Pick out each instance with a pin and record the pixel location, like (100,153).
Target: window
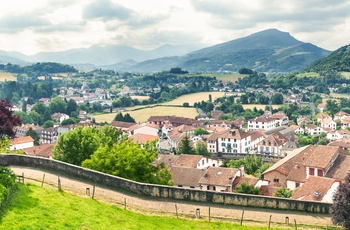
(311,171)
(276,180)
(319,172)
(228,139)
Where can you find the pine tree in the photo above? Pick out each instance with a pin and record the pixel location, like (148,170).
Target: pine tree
(185,146)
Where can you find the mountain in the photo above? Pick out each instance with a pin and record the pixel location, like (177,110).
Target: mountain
(101,55)
(338,60)
(266,51)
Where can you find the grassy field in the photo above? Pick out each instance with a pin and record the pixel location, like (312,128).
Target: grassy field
(339,95)
(346,74)
(309,74)
(232,77)
(5,76)
(258,106)
(195,97)
(140,98)
(143,114)
(34,207)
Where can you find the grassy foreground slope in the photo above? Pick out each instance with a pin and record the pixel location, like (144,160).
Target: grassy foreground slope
(34,207)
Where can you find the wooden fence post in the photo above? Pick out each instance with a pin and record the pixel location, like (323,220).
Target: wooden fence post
(270,221)
(93,192)
(209,214)
(242,217)
(42,183)
(177,215)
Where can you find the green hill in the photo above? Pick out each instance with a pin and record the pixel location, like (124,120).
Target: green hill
(338,60)
(34,207)
(266,51)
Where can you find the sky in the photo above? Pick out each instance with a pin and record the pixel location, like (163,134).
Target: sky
(36,26)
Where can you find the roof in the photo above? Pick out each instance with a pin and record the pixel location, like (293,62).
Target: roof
(248,180)
(340,168)
(314,189)
(44,150)
(256,134)
(234,134)
(142,138)
(286,164)
(297,173)
(192,176)
(187,161)
(218,176)
(276,139)
(167,159)
(268,190)
(121,124)
(21,140)
(173,119)
(320,157)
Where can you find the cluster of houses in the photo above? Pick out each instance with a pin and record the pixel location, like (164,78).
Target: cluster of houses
(314,172)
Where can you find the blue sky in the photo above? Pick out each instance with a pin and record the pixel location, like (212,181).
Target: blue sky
(55,25)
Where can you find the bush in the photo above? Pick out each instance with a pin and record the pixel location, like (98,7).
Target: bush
(7,177)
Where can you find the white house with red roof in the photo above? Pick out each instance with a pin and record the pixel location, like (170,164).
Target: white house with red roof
(21,143)
(234,141)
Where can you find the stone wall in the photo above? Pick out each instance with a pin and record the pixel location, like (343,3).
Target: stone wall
(114,182)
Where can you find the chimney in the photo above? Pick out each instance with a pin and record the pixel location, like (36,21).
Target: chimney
(241,170)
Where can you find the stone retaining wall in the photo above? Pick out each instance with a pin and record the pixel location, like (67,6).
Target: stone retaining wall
(160,190)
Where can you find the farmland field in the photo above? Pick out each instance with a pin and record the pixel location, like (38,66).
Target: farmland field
(140,98)
(233,77)
(309,74)
(338,95)
(346,75)
(143,114)
(7,76)
(194,97)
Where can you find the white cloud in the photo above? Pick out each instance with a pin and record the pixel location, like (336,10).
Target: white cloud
(54,25)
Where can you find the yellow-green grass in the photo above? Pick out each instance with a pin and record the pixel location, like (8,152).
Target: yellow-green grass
(194,97)
(6,76)
(35,207)
(232,77)
(142,115)
(345,74)
(140,98)
(308,74)
(258,106)
(338,95)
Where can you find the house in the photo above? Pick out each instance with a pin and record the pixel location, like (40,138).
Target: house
(142,139)
(149,129)
(196,161)
(322,116)
(272,144)
(321,107)
(313,129)
(219,179)
(341,115)
(22,130)
(293,170)
(338,134)
(318,189)
(343,143)
(256,136)
(268,121)
(328,123)
(233,141)
(124,126)
(21,143)
(174,121)
(190,181)
(44,150)
(49,135)
(303,121)
(59,117)
(297,129)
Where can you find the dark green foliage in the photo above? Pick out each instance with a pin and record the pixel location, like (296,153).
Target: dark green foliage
(7,180)
(245,71)
(48,124)
(253,165)
(338,60)
(200,131)
(128,160)
(247,189)
(34,135)
(185,146)
(277,99)
(340,210)
(124,118)
(71,107)
(177,70)
(69,121)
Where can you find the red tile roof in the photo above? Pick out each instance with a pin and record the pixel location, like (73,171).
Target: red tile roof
(218,176)
(21,140)
(44,150)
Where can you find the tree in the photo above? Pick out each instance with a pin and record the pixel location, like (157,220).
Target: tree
(253,165)
(34,135)
(77,145)
(200,131)
(69,121)
(128,160)
(283,192)
(340,209)
(277,99)
(201,149)
(71,107)
(119,117)
(48,124)
(247,189)
(58,105)
(128,118)
(7,119)
(185,147)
